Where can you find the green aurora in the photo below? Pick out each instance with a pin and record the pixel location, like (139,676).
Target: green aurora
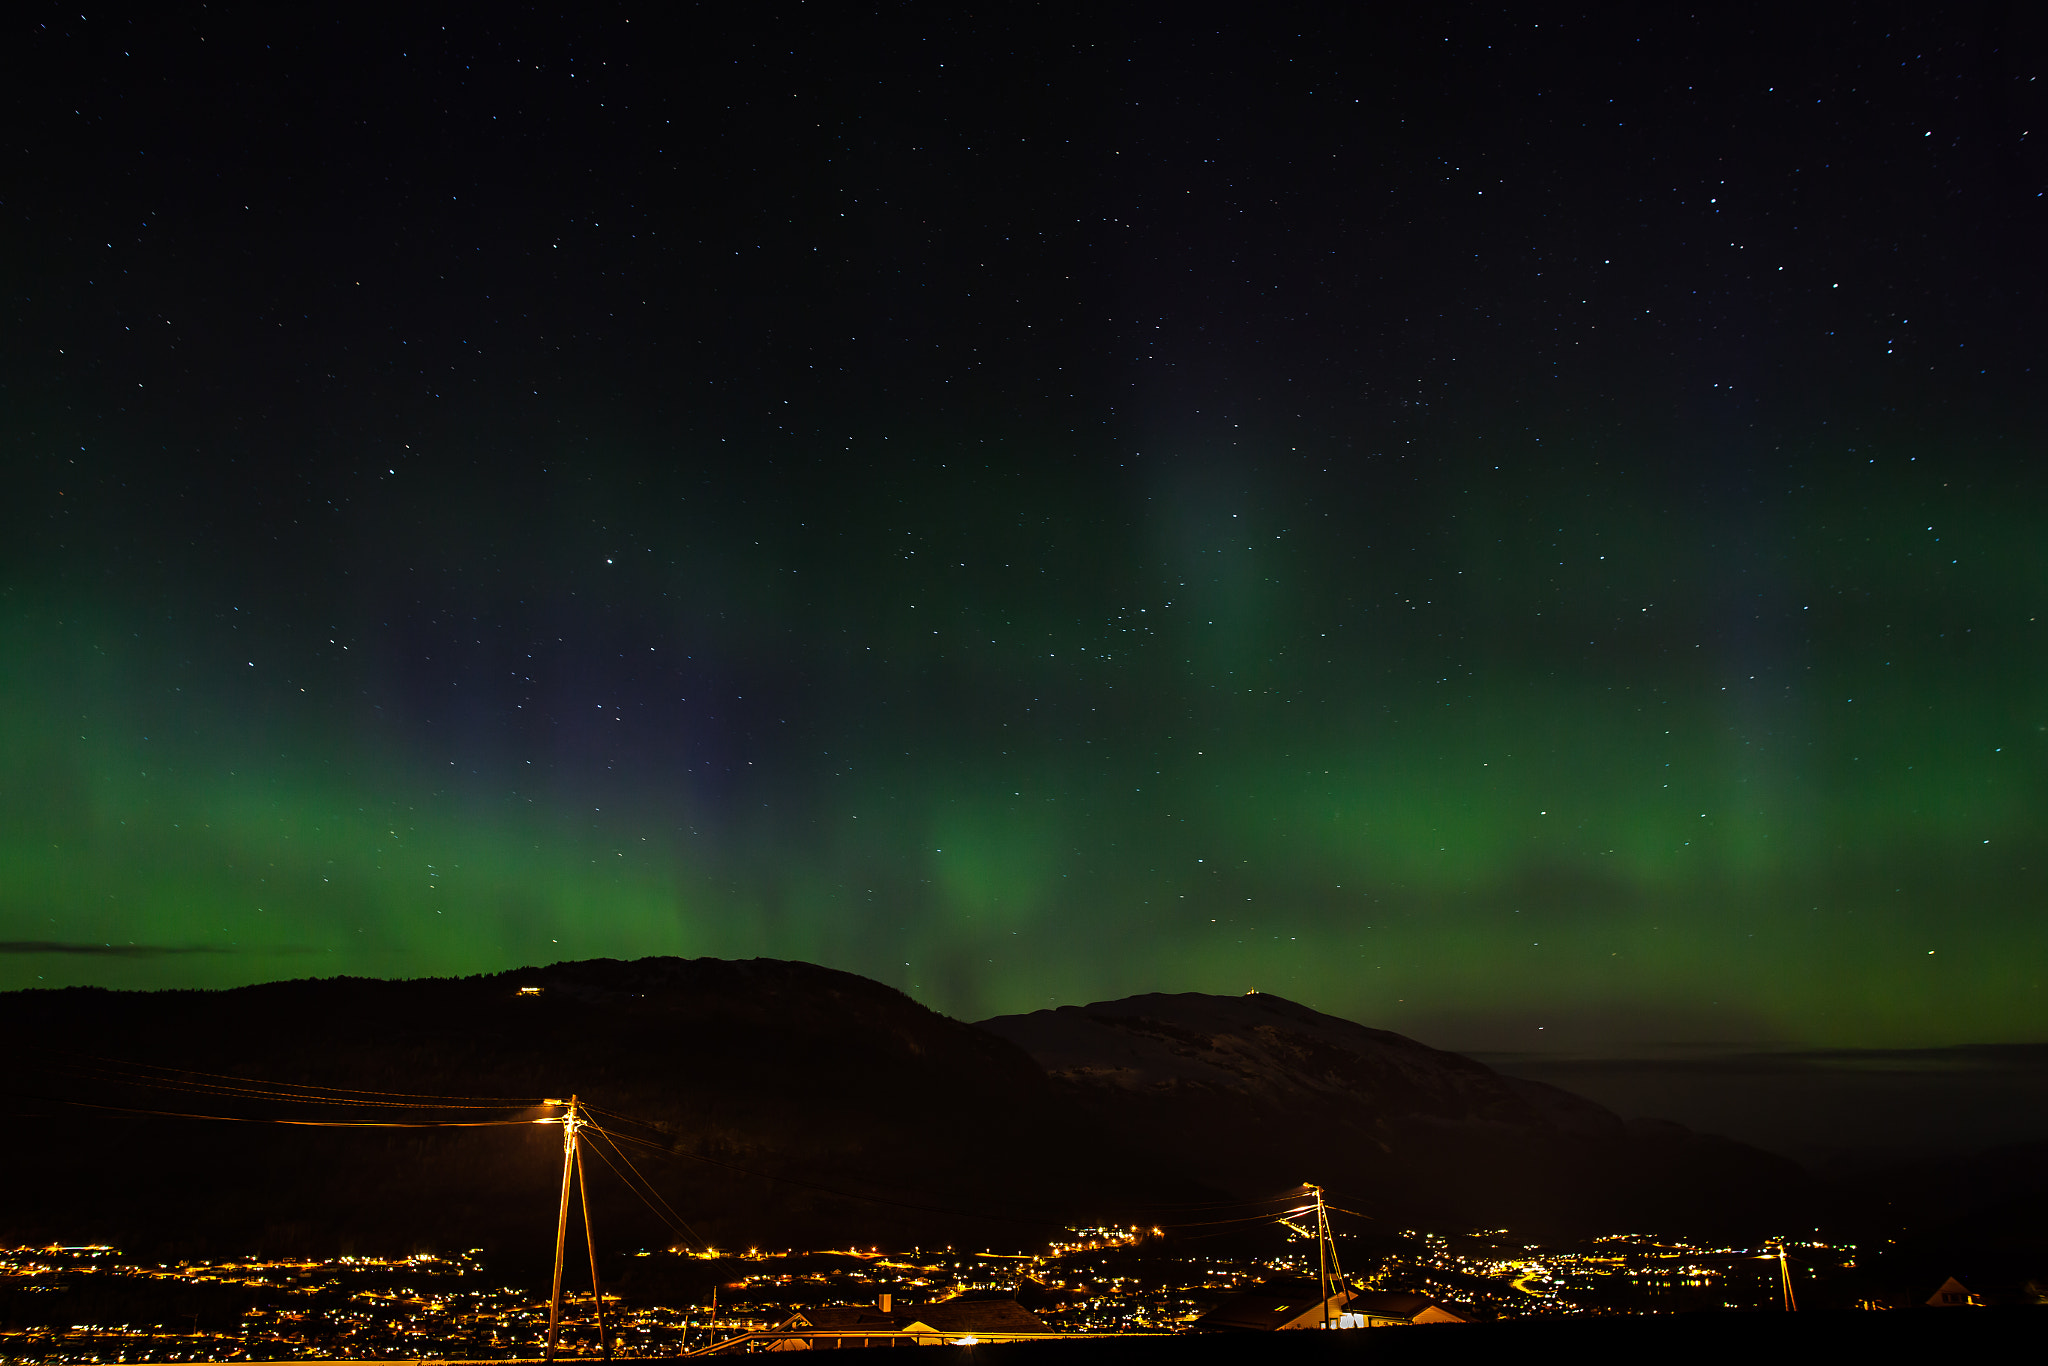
(1530,535)
(1628,788)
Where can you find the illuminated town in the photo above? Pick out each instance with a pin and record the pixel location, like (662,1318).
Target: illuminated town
(93,1304)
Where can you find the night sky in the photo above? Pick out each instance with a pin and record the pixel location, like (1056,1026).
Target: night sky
(1520,528)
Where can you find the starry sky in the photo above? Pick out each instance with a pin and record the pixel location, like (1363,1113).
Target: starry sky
(1515,527)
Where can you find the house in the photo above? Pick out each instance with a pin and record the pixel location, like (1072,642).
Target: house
(885,1324)
(837,1326)
(1281,1305)
(1384,1308)
(1953,1294)
(984,1320)
(1274,1307)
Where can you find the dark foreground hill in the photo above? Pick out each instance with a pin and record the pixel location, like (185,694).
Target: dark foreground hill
(1254,1091)
(789,1086)
(780,1104)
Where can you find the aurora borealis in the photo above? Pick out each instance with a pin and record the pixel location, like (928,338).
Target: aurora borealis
(1529,539)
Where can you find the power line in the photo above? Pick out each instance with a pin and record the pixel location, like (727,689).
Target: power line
(146,1076)
(443,1101)
(256,1093)
(664,1212)
(925,1207)
(677,1151)
(652,1189)
(1244,1219)
(301,1123)
(193,1081)
(1293,1193)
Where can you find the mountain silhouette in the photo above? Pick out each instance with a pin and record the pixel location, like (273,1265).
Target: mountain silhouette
(772,1103)
(1254,1092)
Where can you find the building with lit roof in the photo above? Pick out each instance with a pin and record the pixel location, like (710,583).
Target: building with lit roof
(966,1319)
(1282,1305)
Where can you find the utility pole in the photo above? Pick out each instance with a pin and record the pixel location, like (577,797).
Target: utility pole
(572,1123)
(1785,1279)
(1329,1274)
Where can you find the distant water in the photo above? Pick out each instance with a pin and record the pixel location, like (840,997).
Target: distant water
(1842,1109)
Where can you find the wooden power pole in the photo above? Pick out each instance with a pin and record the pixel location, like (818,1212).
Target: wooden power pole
(572,1123)
(1329,1274)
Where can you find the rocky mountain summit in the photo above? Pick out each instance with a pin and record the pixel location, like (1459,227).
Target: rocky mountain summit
(1275,1053)
(1253,1092)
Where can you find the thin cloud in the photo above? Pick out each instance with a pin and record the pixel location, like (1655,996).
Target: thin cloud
(1955,1060)
(28,946)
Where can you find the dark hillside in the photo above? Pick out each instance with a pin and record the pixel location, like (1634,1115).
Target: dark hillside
(782,1104)
(1278,1092)
(782,1069)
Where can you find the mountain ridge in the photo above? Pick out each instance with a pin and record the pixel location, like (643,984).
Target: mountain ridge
(776,1100)
(1278,1089)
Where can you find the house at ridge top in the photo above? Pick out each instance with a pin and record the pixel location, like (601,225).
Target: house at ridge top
(1952,1293)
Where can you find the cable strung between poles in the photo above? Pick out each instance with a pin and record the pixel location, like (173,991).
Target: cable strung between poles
(155,1076)
(302,1123)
